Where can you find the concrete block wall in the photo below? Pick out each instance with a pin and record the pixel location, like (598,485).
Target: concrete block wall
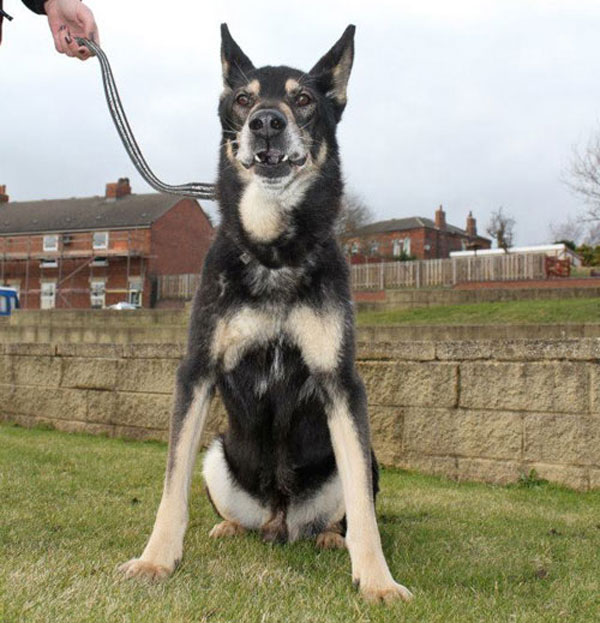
(488,410)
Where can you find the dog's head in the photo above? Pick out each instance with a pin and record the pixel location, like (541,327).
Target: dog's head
(278,122)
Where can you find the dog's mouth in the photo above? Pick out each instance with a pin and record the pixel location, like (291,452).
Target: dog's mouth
(275,163)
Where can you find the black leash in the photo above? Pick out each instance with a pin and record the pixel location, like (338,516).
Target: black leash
(197,190)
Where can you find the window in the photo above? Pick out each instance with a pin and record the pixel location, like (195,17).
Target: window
(99,261)
(135,291)
(48,295)
(406,246)
(48,264)
(355,248)
(397,248)
(374,247)
(51,242)
(16,285)
(98,293)
(100,240)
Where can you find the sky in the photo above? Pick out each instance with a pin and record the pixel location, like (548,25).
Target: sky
(472,104)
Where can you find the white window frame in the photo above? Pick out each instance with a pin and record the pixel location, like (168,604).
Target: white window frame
(15,284)
(135,291)
(397,246)
(96,245)
(48,263)
(406,246)
(47,245)
(48,298)
(98,298)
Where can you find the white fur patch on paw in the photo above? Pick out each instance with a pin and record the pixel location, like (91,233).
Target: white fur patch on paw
(225,529)
(386,593)
(137,568)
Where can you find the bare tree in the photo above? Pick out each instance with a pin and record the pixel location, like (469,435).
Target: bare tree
(592,236)
(355,213)
(572,229)
(501,229)
(580,230)
(583,175)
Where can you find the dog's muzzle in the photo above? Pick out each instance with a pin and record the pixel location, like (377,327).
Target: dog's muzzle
(270,145)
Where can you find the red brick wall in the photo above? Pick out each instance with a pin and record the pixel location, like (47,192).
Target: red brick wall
(74,289)
(180,240)
(73,292)
(440,243)
(176,243)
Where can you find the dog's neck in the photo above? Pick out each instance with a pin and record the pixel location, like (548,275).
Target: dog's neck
(279,227)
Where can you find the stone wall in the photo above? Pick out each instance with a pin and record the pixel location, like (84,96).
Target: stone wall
(408,298)
(486,410)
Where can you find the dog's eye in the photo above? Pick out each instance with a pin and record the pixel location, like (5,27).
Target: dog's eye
(303,100)
(243,100)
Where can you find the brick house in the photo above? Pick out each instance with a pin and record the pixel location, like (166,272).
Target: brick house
(413,237)
(96,251)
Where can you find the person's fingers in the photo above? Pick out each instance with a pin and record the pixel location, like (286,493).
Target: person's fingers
(88,29)
(83,53)
(69,45)
(86,20)
(57,36)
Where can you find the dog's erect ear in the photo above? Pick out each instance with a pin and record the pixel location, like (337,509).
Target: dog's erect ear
(333,70)
(236,65)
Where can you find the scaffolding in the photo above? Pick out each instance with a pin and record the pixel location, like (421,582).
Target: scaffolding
(63,255)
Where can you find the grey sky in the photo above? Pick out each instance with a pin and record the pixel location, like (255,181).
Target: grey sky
(472,104)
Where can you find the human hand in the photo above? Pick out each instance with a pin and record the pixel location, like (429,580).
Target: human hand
(69,19)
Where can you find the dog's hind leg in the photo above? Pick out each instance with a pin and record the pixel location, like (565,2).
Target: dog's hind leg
(165,546)
(239,510)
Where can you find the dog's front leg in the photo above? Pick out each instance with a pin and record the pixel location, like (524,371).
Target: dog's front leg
(165,546)
(349,428)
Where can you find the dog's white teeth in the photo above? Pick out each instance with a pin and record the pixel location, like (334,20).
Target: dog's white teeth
(285,158)
(256,158)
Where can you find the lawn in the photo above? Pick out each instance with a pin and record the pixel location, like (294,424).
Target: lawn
(74,506)
(508,312)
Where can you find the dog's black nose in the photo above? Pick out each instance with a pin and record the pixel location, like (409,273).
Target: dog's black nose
(267,122)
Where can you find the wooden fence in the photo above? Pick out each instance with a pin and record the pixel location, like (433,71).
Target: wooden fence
(435,273)
(417,274)
(177,286)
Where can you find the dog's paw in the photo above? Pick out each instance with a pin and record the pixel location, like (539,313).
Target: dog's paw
(330,540)
(138,568)
(225,529)
(388,592)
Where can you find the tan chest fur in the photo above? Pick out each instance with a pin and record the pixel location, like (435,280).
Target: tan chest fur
(317,333)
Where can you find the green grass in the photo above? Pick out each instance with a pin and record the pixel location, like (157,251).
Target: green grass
(509,312)
(73,507)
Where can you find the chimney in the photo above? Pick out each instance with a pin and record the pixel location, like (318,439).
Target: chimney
(440,218)
(3,195)
(471,226)
(116,190)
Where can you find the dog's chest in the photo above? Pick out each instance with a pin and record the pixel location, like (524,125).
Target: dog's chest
(273,283)
(317,334)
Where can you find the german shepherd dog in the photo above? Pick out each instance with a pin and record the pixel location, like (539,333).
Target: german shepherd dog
(272,328)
